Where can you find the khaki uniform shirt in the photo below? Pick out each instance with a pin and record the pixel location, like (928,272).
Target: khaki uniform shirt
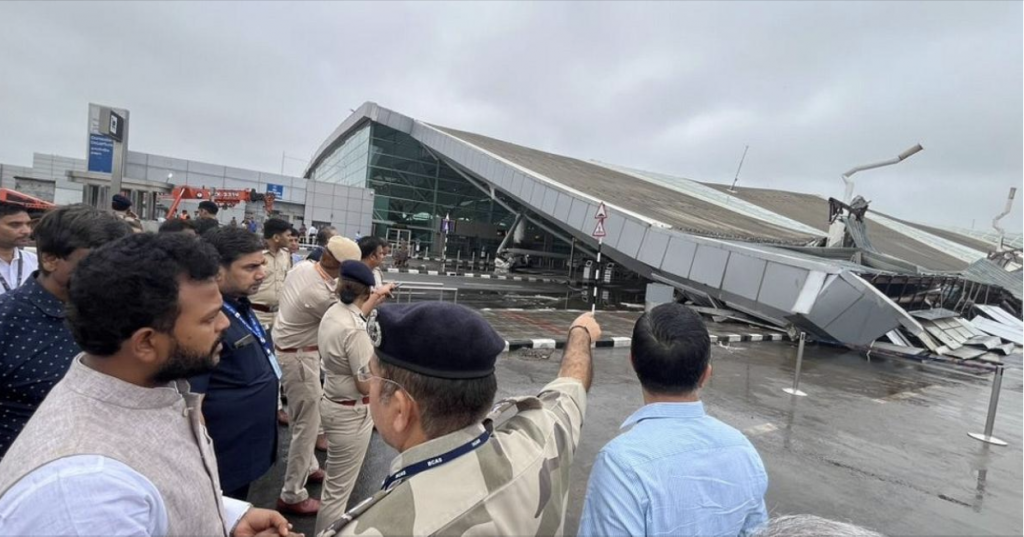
(307,294)
(277,267)
(378,277)
(344,348)
(517,483)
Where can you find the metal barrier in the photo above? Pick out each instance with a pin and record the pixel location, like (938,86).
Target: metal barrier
(795,390)
(420,290)
(993,403)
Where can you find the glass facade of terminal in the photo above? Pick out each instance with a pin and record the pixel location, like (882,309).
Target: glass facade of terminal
(415,191)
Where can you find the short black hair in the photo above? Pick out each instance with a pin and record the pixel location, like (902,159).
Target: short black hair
(176,225)
(671,349)
(324,235)
(7,209)
(273,226)
(65,229)
(446,405)
(369,244)
(293,232)
(139,274)
(232,243)
(204,225)
(209,207)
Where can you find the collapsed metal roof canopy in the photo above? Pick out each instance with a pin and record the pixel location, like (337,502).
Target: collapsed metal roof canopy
(687,239)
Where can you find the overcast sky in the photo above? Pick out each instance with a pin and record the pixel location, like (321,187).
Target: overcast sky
(814,88)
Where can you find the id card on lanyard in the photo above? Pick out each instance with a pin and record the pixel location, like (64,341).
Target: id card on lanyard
(256,329)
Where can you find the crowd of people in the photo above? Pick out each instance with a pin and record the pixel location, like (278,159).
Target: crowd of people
(143,376)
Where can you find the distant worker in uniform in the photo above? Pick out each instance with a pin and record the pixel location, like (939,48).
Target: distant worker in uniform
(307,295)
(345,347)
(373,249)
(322,237)
(676,471)
(207,216)
(462,469)
(276,236)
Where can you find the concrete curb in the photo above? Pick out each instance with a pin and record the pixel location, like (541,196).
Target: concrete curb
(549,343)
(394,270)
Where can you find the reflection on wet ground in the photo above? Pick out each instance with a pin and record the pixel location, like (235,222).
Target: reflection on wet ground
(882,444)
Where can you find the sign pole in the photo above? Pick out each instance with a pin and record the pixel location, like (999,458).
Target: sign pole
(795,390)
(993,403)
(599,233)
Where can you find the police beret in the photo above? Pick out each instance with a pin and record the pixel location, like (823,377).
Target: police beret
(436,339)
(120,203)
(357,271)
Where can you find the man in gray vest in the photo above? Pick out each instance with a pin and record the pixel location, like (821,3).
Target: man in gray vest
(131,454)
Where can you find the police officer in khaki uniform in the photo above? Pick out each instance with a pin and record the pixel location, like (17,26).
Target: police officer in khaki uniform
(345,347)
(277,235)
(309,291)
(462,469)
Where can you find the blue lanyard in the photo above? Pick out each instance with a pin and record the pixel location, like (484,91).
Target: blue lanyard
(256,329)
(434,462)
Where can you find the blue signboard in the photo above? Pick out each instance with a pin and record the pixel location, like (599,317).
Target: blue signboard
(101,153)
(277,190)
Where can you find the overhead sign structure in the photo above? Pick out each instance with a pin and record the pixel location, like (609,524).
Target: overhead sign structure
(115,126)
(108,144)
(101,153)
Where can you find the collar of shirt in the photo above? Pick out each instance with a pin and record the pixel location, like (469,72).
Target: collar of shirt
(102,387)
(355,311)
(241,304)
(435,447)
(665,410)
(35,293)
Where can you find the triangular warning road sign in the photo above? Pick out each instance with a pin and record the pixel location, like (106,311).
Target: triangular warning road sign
(602,212)
(599,229)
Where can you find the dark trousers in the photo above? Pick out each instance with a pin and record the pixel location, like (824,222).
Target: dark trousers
(241,493)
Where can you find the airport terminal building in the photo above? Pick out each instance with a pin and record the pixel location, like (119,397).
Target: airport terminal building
(759,252)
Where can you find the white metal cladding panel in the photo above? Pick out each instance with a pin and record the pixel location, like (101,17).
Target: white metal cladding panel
(276,179)
(679,257)
(849,327)
(537,198)
(632,236)
(321,214)
(354,205)
(168,162)
(550,198)
(135,157)
(239,173)
(526,193)
(297,195)
(478,164)
(240,184)
(781,285)
(198,180)
(709,265)
(367,193)
(508,173)
(160,175)
(64,196)
(322,189)
(837,296)
(743,275)
(341,190)
(562,206)
(206,169)
(578,213)
(368,207)
(652,250)
(136,171)
(323,200)
(351,218)
(516,184)
(613,226)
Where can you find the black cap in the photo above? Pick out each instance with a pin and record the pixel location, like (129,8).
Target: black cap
(209,206)
(436,339)
(120,203)
(357,271)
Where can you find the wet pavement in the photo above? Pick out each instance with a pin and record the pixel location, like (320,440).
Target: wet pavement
(882,444)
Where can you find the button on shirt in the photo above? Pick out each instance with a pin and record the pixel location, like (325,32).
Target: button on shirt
(19,270)
(344,347)
(36,350)
(240,406)
(678,471)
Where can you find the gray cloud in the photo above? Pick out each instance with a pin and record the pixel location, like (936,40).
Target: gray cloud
(679,88)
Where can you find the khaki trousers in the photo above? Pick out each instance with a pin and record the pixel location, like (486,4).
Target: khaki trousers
(348,430)
(301,381)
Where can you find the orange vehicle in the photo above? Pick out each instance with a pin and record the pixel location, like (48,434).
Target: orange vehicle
(33,205)
(222,197)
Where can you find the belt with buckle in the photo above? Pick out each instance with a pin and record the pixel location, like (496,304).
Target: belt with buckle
(311,348)
(263,308)
(350,402)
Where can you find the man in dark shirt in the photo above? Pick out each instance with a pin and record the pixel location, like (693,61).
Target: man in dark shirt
(322,237)
(240,405)
(36,346)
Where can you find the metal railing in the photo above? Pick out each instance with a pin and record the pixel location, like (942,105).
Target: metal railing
(424,290)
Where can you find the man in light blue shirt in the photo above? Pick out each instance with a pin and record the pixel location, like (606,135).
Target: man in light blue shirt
(677,471)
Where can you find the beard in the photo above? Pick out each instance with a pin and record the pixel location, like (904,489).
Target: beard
(185,363)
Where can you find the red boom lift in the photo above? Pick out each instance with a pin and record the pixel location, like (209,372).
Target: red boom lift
(32,204)
(222,197)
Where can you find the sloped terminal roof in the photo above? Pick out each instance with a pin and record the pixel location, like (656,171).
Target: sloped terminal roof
(663,204)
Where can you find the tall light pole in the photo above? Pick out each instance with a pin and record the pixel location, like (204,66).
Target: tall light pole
(848,196)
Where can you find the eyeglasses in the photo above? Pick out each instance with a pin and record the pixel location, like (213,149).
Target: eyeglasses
(363,374)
